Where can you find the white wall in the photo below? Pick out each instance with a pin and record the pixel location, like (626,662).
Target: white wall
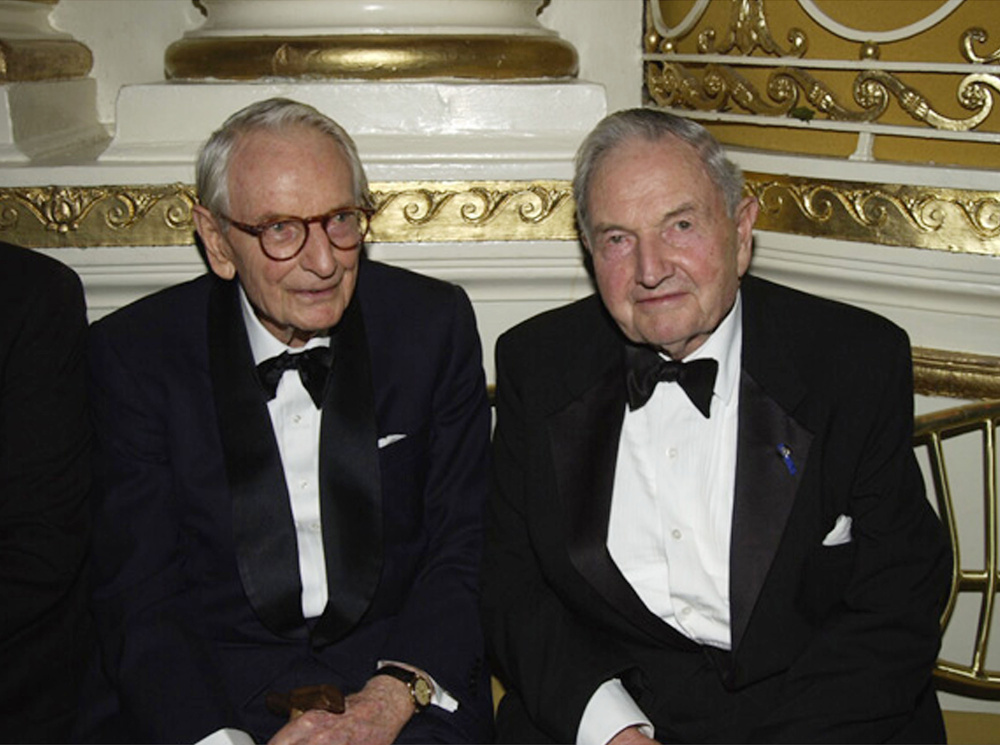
(127,37)
(607,35)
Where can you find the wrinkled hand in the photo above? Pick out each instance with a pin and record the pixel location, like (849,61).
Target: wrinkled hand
(296,703)
(373,716)
(631,736)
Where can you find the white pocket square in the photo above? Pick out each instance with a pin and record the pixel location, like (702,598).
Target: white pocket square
(388,440)
(840,534)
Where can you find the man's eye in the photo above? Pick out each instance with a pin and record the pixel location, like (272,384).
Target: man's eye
(684,225)
(617,242)
(280,229)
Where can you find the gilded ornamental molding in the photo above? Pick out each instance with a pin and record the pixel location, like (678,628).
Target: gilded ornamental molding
(473,211)
(745,63)
(680,80)
(960,221)
(160,215)
(465,211)
(88,216)
(938,372)
(372,57)
(32,60)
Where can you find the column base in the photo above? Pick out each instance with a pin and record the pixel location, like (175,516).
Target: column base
(372,57)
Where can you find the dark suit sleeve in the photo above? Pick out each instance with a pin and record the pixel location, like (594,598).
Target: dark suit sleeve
(549,658)
(438,628)
(863,675)
(44,478)
(152,641)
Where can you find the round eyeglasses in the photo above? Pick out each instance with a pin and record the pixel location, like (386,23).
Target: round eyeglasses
(283,238)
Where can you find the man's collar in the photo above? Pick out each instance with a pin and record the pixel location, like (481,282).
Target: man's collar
(263,343)
(725,345)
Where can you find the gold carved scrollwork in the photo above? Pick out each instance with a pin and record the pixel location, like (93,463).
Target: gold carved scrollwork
(973,36)
(942,219)
(712,86)
(461,211)
(672,84)
(85,216)
(160,215)
(972,93)
(748,31)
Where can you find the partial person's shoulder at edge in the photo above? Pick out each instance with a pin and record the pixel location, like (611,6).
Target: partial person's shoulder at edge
(22,264)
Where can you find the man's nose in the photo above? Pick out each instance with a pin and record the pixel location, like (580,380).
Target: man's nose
(318,253)
(654,260)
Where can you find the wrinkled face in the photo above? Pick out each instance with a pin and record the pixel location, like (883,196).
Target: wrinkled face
(297,172)
(667,257)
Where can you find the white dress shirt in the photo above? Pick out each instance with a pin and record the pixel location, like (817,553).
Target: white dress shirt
(671,516)
(296,422)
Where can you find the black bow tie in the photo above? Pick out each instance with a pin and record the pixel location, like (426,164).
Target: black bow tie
(646,368)
(313,366)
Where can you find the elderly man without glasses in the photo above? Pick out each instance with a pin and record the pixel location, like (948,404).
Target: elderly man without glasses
(707,522)
(291,471)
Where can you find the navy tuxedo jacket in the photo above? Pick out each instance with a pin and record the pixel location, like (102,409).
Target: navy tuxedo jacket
(196,584)
(829,643)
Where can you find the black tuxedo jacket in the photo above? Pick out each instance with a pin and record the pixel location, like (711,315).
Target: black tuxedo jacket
(44,478)
(196,582)
(829,643)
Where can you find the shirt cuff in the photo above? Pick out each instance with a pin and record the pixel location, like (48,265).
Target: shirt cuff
(440,698)
(610,710)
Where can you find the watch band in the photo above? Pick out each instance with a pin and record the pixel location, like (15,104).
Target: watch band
(420,688)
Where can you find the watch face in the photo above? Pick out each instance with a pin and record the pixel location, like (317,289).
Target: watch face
(421,691)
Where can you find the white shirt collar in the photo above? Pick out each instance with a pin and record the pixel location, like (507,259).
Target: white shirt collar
(725,345)
(263,344)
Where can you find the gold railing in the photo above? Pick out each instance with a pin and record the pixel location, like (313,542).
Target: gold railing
(977,576)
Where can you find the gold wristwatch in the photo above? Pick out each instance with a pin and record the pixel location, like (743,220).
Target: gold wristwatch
(421,689)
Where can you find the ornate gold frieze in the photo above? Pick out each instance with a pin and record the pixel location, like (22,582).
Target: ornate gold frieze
(460,211)
(751,84)
(893,215)
(719,87)
(160,215)
(747,32)
(86,216)
(31,60)
(937,372)
(372,57)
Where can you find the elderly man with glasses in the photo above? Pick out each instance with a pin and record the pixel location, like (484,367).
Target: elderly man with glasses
(291,470)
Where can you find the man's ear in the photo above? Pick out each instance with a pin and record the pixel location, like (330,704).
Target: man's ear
(746,216)
(217,248)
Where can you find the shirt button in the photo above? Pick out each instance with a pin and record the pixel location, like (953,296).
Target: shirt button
(672,453)
(303,484)
(296,419)
(686,611)
(676,534)
(316,527)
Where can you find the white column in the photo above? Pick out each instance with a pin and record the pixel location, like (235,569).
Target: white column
(46,104)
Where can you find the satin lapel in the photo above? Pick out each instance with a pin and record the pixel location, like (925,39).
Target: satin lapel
(583,438)
(266,549)
(351,488)
(772,451)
